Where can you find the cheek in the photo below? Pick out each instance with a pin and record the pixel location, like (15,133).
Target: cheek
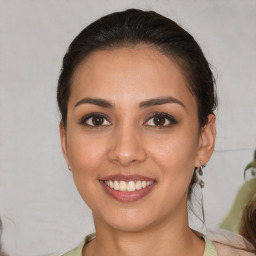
(86,155)
(175,155)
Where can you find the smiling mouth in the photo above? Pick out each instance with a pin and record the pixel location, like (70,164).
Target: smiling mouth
(129,186)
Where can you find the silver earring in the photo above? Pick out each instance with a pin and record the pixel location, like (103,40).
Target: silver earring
(69,167)
(200,172)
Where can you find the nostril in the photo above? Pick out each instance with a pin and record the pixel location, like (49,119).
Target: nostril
(126,146)
(125,157)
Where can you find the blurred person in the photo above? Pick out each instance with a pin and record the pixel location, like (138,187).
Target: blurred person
(244,195)
(248,221)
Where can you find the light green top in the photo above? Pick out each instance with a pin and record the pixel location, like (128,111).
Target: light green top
(208,251)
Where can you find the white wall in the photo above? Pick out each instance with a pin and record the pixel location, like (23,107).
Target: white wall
(40,207)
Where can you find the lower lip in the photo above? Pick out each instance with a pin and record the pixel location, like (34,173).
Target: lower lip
(127,196)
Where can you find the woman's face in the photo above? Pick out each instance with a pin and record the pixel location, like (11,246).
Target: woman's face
(132,137)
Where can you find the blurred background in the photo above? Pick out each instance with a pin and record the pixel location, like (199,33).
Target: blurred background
(41,210)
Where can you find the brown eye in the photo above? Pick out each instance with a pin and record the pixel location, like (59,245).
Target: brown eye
(159,121)
(95,120)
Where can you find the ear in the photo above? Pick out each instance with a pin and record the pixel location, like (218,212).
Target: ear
(63,140)
(206,141)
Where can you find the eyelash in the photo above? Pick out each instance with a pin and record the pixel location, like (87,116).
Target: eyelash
(166,116)
(85,118)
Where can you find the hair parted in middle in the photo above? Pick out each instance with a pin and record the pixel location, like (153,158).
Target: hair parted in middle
(134,27)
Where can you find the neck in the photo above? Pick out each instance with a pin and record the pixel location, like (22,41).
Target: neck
(172,238)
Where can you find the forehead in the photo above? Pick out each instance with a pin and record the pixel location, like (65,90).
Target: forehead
(139,72)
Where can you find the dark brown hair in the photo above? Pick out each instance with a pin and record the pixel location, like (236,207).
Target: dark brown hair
(248,222)
(130,28)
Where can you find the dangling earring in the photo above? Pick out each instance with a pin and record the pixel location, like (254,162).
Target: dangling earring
(200,172)
(69,167)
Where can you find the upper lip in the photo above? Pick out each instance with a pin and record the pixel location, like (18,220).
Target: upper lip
(120,177)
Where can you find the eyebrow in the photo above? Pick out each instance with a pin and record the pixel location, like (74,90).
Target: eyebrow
(144,104)
(98,102)
(160,101)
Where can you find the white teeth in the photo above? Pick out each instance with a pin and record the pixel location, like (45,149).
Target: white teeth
(128,186)
(131,186)
(116,185)
(111,184)
(149,183)
(122,186)
(138,185)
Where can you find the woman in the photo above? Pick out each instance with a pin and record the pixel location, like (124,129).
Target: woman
(137,100)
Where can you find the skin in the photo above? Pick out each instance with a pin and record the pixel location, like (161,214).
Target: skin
(130,143)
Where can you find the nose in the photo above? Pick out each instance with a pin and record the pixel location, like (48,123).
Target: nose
(126,147)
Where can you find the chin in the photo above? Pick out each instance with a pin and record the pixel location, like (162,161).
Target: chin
(127,220)
(131,225)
